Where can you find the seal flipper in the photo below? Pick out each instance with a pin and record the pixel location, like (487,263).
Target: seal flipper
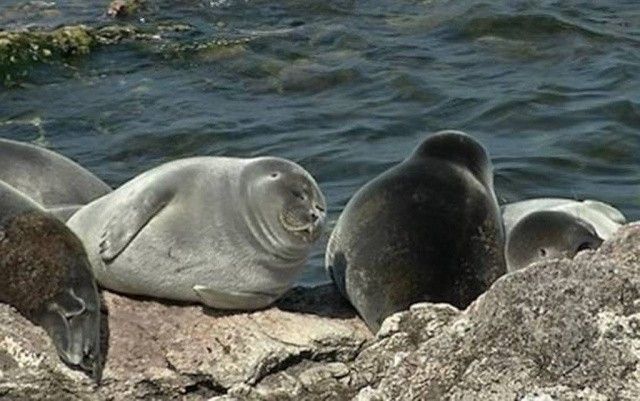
(64,212)
(611,212)
(74,327)
(130,218)
(233,300)
(72,319)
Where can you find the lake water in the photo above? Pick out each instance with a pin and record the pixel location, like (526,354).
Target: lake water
(347,89)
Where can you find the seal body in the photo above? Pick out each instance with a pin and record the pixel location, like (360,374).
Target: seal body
(428,229)
(229,233)
(545,228)
(55,182)
(45,275)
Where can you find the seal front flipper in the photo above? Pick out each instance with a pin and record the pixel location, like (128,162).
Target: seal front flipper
(73,324)
(233,300)
(611,212)
(130,217)
(72,319)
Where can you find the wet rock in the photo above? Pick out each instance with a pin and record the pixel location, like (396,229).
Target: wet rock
(24,46)
(20,49)
(559,330)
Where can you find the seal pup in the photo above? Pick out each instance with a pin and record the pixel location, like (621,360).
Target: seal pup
(546,228)
(57,183)
(427,229)
(45,275)
(229,233)
(548,234)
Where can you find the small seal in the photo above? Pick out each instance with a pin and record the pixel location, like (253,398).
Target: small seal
(229,233)
(547,234)
(428,229)
(57,183)
(46,276)
(544,228)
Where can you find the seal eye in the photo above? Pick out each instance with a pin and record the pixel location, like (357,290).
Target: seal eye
(543,252)
(275,175)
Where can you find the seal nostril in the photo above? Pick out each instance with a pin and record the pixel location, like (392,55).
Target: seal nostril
(320,208)
(314,217)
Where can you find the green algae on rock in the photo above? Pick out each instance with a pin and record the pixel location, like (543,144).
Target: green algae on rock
(21,47)
(20,50)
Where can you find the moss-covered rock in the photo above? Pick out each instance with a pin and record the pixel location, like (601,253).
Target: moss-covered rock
(21,50)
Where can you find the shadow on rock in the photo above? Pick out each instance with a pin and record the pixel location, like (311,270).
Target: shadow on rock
(323,300)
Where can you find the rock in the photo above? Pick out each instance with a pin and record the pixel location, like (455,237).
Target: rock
(22,48)
(156,349)
(558,330)
(166,351)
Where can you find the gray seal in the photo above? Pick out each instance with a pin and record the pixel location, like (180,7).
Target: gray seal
(546,228)
(427,229)
(55,182)
(548,234)
(45,275)
(229,233)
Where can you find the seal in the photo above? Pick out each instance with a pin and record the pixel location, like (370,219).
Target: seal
(46,276)
(57,183)
(229,233)
(605,218)
(427,229)
(547,234)
(545,228)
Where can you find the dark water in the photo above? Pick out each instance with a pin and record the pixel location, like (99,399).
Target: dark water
(347,89)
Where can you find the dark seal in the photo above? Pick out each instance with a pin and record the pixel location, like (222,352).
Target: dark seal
(428,229)
(46,276)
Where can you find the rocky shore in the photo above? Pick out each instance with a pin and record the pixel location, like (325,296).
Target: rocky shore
(562,330)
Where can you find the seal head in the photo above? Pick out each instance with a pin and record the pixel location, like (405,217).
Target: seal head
(548,234)
(458,148)
(284,202)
